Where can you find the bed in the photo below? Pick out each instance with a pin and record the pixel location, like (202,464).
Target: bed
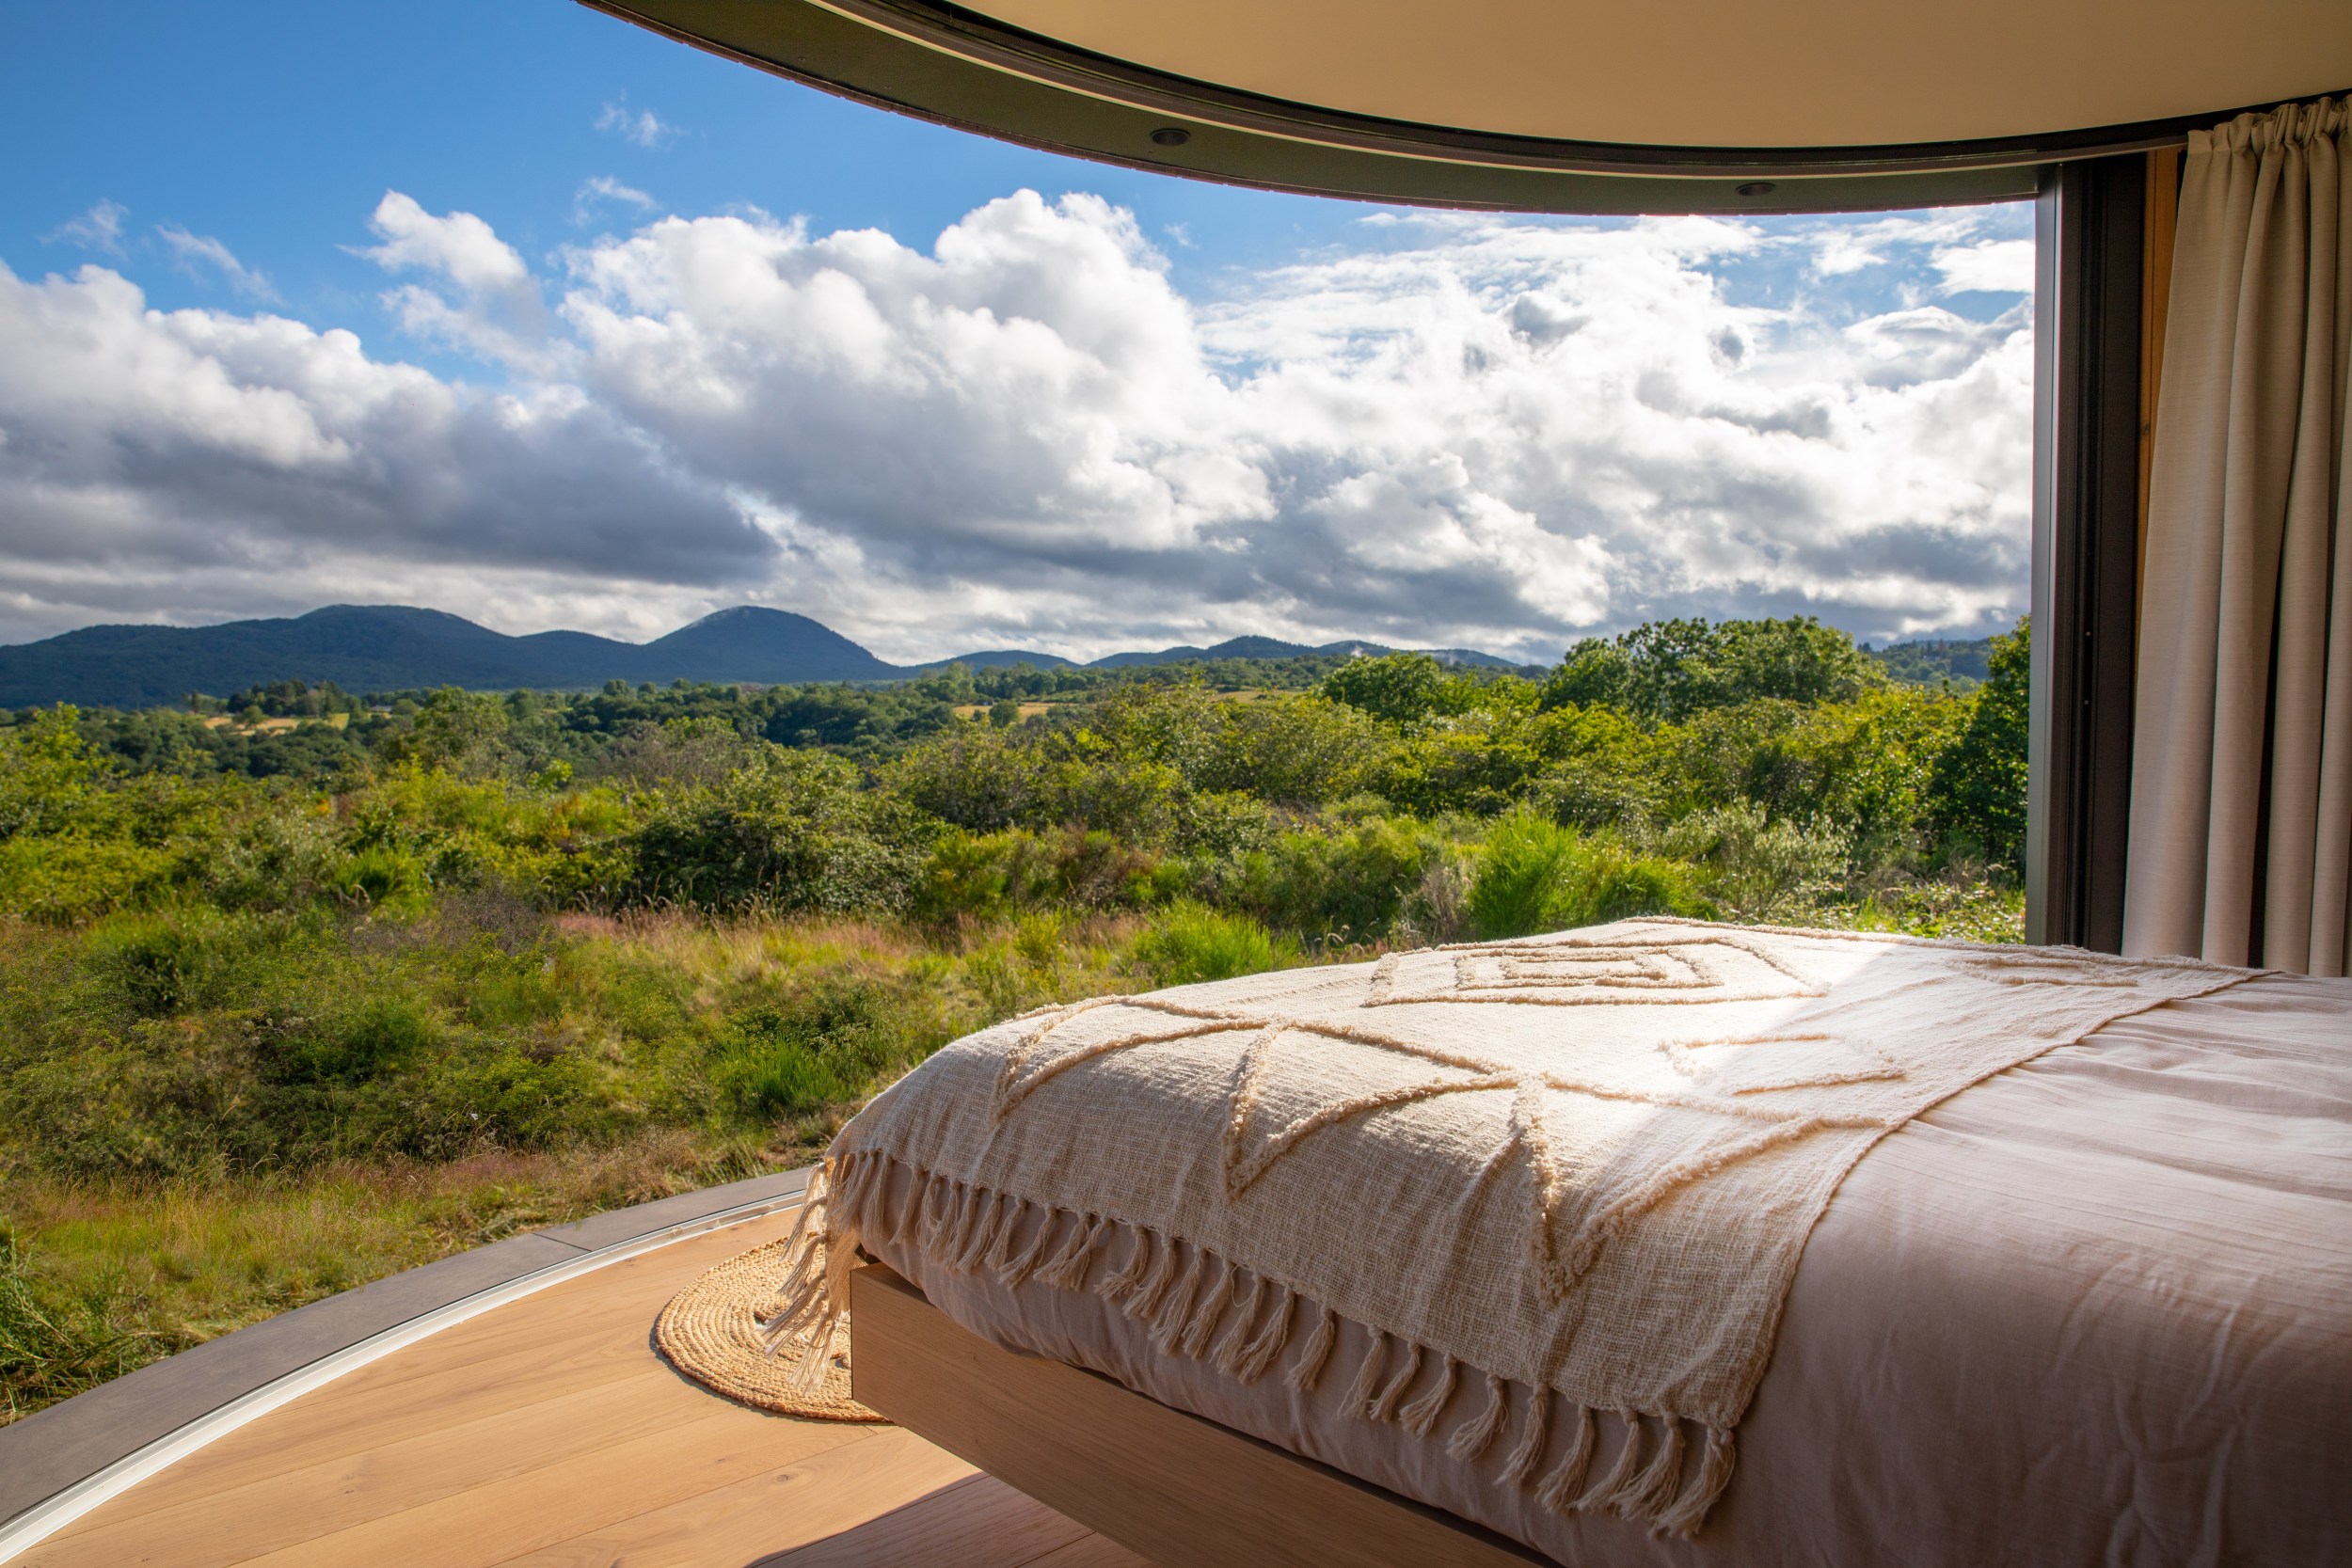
(1672,1242)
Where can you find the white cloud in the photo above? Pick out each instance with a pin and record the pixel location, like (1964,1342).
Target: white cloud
(642,126)
(459,245)
(99,229)
(1479,431)
(194,253)
(189,461)
(481,299)
(596,193)
(1997,267)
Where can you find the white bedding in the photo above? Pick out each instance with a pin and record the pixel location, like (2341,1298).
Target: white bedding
(2096,1309)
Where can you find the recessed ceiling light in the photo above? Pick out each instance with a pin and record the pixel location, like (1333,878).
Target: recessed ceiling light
(1171,135)
(1758,187)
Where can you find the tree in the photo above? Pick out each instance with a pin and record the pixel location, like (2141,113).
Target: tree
(1399,688)
(1667,671)
(1977,796)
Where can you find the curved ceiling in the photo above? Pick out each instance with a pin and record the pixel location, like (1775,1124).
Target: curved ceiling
(1727,73)
(1556,105)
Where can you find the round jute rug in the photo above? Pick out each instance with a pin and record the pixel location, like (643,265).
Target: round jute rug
(710,1332)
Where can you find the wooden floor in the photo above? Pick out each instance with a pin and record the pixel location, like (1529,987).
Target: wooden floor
(547,1432)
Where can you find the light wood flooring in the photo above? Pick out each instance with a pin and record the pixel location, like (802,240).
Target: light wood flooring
(547,1432)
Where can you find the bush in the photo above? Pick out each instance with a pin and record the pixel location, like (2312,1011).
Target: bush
(805,1051)
(57,1342)
(1536,877)
(1191,942)
(985,875)
(794,832)
(1397,689)
(1759,868)
(1346,886)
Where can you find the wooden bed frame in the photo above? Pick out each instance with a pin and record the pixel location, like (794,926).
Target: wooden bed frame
(1175,1488)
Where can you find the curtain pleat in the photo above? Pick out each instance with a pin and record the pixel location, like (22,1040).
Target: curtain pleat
(2242,750)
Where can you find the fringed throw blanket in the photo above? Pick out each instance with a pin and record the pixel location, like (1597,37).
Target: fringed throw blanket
(1567,1177)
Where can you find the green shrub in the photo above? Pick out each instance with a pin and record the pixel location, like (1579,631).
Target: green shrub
(54,1342)
(1346,885)
(985,875)
(805,1051)
(1398,689)
(796,831)
(1758,867)
(1189,941)
(1670,670)
(1536,876)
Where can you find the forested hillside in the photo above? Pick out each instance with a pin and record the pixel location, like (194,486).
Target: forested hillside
(300,992)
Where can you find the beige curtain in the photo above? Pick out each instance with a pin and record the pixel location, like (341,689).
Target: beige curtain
(2241,834)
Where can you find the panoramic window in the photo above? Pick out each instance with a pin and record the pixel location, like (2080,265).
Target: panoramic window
(870,780)
(571,610)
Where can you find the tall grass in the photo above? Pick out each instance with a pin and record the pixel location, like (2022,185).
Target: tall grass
(1537,876)
(99,1279)
(1192,943)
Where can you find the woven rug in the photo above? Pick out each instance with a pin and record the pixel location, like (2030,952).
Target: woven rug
(710,1332)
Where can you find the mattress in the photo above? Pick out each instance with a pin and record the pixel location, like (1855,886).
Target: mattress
(2095,1310)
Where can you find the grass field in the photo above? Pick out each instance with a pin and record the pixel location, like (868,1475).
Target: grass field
(727,1047)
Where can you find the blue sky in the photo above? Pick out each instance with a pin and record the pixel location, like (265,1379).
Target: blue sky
(624,354)
(274,127)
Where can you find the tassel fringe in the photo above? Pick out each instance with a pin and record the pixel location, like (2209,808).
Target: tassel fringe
(1267,1345)
(1557,1488)
(1316,1353)
(1622,1472)
(1473,1437)
(1520,1466)
(1366,1388)
(1200,1305)
(1168,1323)
(1420,1416)
(1384,1408)
(1130,1277)
(1067,1269)
(1686,1515)
(1228,1357)
(1205,1317)
(1653,1491)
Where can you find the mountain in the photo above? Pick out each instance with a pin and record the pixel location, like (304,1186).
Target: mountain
(1925,663)
(1270,647)
(386,647)
(366,648)
(361,648)
(1004,659)
(769,647)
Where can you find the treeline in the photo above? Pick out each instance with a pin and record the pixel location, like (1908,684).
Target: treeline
(1772,763)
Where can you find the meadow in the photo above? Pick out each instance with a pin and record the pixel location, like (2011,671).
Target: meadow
(288,1006)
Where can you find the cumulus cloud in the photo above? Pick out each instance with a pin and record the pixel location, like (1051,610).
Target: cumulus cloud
(1480,431)
(152,459)
(480,297)
(99,229)
(642,126)
(1997,267)
(200,255)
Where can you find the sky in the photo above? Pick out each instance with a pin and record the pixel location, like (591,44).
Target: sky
(521,313)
